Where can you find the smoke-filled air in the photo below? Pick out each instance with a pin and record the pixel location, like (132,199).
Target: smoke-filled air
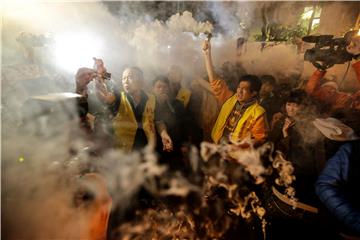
(178,119)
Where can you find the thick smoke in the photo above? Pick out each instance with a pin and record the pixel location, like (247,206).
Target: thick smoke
(234,18)
(131,35)
(42,156)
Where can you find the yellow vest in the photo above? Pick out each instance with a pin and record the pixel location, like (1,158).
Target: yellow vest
(184,96)
(245,124)
(125,125)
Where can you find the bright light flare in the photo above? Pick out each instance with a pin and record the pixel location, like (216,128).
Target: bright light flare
(73,51)
(358,33)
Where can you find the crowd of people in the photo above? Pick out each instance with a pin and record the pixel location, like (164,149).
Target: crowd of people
(316,127)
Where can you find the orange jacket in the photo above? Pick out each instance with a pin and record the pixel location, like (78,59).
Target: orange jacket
(98,212)
(221,90)
(335,99)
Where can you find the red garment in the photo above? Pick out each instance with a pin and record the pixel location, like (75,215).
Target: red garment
(330,96)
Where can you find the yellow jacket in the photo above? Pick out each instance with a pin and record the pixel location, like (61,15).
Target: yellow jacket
(184,96)
(252,122)
(125,125)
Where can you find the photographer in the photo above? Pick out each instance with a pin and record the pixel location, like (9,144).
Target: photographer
(101,95)
(130,113)
(328,93)
(94,107)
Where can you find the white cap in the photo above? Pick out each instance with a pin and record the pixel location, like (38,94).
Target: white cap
(334,129)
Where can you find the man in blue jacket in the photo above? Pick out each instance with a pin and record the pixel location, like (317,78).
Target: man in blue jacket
(338,187)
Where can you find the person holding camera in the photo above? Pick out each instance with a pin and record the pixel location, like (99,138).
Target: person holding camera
(82,78)
(101,94)
(94,111)
(240,115)
(132,110)
(327,93)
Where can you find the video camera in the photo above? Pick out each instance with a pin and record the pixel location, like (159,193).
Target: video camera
(106,75)
(98,63)
(328,50)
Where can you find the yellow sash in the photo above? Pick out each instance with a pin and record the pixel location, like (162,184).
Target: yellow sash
(125,125)
(184,96)
(243,127)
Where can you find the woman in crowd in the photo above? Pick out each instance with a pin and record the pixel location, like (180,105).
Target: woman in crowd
(294,135)
(171,115)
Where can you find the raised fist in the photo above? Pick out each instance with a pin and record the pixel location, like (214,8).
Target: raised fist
(99,66)
(206,47)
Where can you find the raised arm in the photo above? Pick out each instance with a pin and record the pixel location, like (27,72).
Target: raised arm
(102,92)
(218,86)
(314,81)
(208,60)
(83,77)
